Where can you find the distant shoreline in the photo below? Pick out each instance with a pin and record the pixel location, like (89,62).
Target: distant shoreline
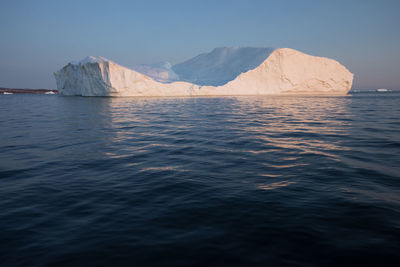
(26,91)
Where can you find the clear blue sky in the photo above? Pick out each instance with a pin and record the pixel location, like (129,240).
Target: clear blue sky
(39,37)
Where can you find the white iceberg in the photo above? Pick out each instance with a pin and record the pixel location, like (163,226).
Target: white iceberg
(223,71)
(382,90)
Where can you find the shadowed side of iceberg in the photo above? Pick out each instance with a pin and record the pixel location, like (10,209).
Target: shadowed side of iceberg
(221,65)
(87,79)
(160,71)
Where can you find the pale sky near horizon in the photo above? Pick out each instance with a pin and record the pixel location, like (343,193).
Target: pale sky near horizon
(40,37)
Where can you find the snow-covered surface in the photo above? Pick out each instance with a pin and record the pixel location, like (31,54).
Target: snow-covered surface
(160,72)
(221,65)
(223,71)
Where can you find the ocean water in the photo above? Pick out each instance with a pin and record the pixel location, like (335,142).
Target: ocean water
(227,181)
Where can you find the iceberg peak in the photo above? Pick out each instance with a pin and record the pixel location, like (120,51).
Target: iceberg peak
(90,59)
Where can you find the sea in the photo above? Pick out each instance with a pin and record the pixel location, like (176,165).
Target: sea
(202,181)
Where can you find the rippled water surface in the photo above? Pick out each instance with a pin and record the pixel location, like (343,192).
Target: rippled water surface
(201,181)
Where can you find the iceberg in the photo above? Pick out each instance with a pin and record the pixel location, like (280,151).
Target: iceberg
(223,71)
(382,90)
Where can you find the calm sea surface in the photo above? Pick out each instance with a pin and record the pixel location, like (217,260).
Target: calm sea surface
(284,180)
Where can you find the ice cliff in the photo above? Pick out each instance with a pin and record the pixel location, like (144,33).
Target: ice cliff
(223,71)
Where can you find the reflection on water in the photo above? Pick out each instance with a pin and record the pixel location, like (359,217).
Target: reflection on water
(274,131)
(278,135)
(272,186)
(273,135)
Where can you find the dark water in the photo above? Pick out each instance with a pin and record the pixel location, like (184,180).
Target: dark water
(200,181)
